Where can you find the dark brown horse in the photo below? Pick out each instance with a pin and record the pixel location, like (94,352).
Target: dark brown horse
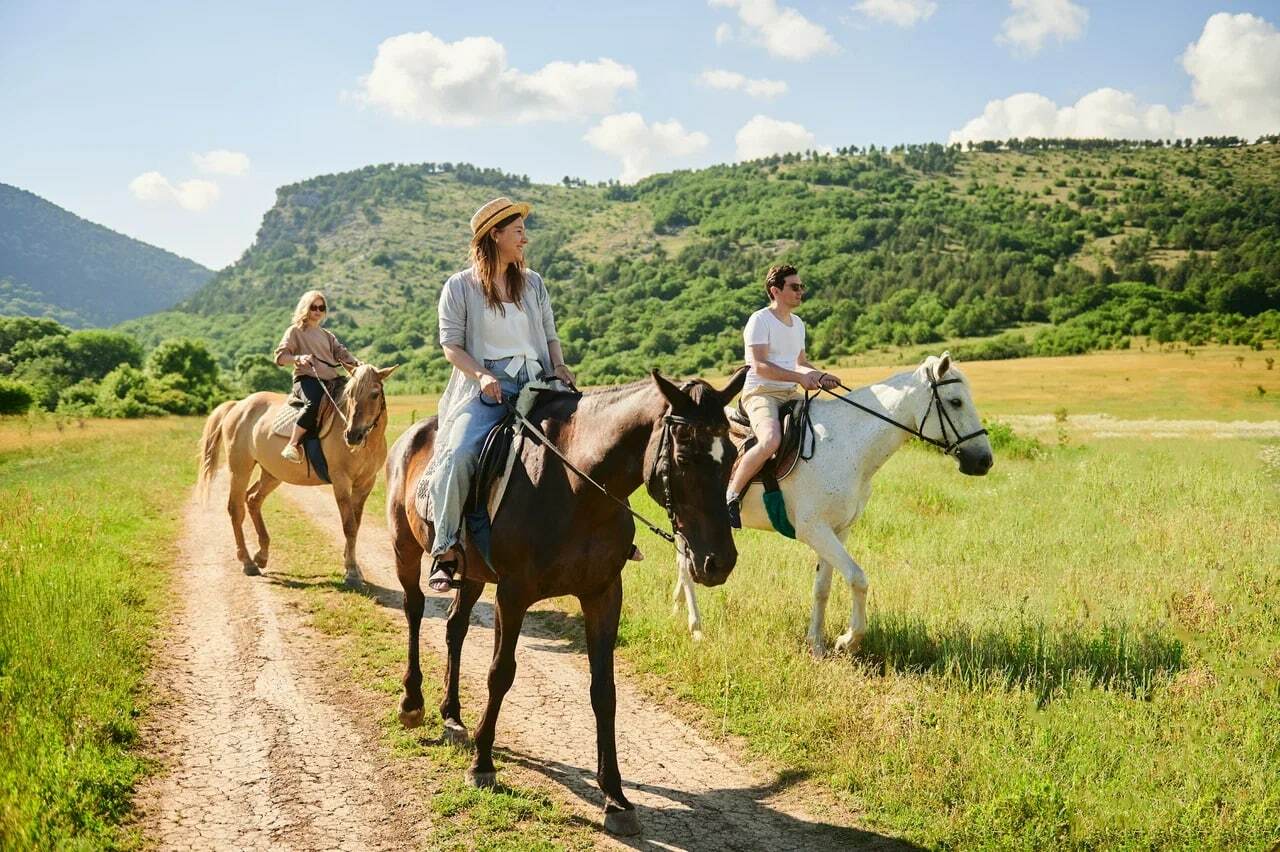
(555,534)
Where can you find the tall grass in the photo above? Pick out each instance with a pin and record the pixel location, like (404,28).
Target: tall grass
(85,536)
(1082,648)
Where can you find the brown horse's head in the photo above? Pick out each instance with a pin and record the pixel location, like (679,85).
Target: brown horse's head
(689,470)
(364,403)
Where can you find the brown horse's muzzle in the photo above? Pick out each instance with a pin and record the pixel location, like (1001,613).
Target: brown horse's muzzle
(714,568)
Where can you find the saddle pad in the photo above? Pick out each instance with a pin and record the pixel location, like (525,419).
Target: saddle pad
(286,416)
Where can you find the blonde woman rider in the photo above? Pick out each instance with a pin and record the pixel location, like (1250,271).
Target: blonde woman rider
(498,332)
(315,355)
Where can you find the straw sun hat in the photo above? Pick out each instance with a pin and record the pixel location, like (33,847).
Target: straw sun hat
(493,213)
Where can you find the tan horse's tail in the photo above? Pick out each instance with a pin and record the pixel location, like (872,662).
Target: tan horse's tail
(211,448)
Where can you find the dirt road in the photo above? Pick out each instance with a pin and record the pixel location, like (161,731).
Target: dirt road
(261,750)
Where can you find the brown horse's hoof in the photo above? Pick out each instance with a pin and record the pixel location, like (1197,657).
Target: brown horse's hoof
(481,780)
(455,734)
(260,559)
(620,822)
(251,569)
(353,579)
(411,718)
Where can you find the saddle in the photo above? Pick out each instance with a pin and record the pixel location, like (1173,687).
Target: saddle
(797,440)
(500,448)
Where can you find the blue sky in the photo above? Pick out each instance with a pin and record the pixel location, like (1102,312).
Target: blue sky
(106,106)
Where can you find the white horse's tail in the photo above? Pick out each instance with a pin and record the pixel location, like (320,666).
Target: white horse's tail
(210,448)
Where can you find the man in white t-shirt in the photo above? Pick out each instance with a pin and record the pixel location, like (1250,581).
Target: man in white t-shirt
(776,363)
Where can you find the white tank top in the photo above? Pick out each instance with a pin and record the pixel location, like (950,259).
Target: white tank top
(505,336)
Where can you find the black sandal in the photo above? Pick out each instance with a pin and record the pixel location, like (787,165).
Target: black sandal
(441,579)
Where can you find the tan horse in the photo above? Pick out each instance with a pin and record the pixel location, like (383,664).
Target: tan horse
(354,453)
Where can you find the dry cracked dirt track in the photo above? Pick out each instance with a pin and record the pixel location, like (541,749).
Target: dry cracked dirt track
(259,751)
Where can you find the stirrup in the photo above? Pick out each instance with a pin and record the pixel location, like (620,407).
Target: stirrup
(441,578)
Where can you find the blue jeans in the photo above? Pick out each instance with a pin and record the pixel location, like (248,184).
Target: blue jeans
(460,452)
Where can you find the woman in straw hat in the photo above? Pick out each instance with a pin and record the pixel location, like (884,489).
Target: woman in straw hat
(315,355)
(498,332)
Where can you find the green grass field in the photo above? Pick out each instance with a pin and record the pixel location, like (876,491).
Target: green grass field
(87,518)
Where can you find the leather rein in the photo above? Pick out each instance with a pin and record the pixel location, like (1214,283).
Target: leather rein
(947,445)
(665,451)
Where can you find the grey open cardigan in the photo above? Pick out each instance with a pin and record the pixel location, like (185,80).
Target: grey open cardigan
(461,307)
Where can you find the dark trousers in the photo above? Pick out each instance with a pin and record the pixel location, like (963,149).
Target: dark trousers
(314,393)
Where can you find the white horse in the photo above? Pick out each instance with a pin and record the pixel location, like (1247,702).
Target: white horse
(826,494)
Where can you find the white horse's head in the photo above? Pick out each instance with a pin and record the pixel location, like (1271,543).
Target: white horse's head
(951,418)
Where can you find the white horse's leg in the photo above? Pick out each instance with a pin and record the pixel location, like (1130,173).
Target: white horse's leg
(684,584)
(831,550)
(818,617)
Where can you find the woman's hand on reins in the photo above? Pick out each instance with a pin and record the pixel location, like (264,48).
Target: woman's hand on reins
(490,386)
(564,374)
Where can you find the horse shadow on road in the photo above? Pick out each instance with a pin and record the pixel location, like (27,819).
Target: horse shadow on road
(714,820)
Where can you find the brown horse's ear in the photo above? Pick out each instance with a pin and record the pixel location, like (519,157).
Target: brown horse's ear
(736,381)
(385,373)
(679,399)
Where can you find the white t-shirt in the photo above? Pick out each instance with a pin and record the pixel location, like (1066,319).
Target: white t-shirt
(506,335)
(785,345)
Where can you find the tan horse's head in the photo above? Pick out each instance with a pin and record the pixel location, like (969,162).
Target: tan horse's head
(364,403)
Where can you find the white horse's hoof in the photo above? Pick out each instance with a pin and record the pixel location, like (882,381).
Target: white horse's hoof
(847,644)
(481,780)
(622,823)
(818,650)
(455,734)
(411,718)
(696,634)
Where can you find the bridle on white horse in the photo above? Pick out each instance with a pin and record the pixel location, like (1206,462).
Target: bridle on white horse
(944,420)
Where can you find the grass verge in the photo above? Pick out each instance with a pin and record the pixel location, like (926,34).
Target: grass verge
(85,550)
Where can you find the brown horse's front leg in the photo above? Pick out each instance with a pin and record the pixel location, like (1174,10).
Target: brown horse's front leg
(601,613)
(455,634)
(502,672)
(409,571)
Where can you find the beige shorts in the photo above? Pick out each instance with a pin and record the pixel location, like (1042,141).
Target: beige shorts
(762,404)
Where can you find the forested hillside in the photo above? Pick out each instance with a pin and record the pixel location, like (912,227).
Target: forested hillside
(55,264)
(1066,246)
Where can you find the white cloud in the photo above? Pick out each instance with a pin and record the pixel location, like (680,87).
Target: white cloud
(1033,21)
(719,78)
(418,77)
(1235,86)
(724,33)
(643,148)
(195,194)
(783,31)
(904,13)
(1235,78)
(763,137)
(221,162)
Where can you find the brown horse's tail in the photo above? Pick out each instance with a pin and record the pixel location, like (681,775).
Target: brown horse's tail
(210,448)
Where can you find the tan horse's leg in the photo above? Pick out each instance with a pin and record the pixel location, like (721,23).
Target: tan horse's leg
(241,470)
(351,507)
(257,494)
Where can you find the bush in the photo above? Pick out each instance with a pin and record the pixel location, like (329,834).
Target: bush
(15,397)
(1007,443)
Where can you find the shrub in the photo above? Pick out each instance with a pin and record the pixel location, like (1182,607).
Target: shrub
(15,396)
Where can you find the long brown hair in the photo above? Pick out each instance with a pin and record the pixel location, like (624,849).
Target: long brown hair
(484,256)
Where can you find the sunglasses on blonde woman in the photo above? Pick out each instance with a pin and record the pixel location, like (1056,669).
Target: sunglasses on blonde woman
(319,308)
